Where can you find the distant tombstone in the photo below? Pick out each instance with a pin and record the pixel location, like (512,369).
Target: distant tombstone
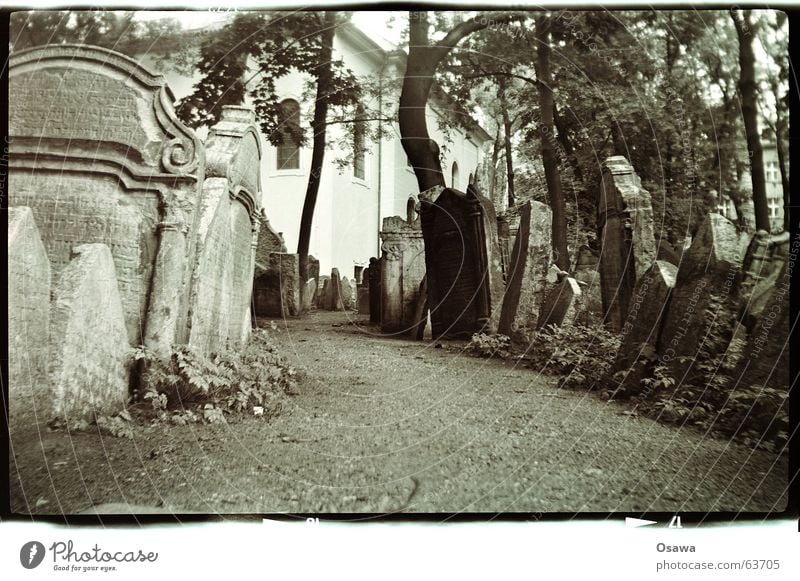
(358,272)
(363,300)
(98,154)
(348,294)
(463,261)
(28,314)
(322,294)
(334,296)
(527,273)
(374,290)
(89,347)
(309,297)
(625,220)
(560,305)
(269,241)
(704,301)
(590,308)
(403,268)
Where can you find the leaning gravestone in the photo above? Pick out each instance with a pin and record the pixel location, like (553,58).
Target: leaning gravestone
(99,156)
(704,302)
(560,305)
(28,314)
(527,273)
(625,221)
(463,263)
(88,341)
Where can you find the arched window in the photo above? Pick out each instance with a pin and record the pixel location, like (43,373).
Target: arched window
(454,177)
(290,133)
(359,145)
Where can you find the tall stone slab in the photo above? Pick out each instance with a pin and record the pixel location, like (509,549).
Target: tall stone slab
(333,298)
(403,269)
(462,255)
(28,315)
(228,233)
(99,156)
(704,302)
(374,272)
(628,246)
(527,273)
(649,305)
(348,294)
(90,354)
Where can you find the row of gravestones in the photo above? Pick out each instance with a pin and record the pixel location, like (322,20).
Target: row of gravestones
(124,229)
(664,304)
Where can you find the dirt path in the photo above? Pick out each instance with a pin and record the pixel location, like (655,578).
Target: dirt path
(384,425)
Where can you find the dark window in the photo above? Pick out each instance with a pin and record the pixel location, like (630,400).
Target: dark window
(289,128)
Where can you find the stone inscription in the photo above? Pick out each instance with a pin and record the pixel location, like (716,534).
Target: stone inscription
(77,104)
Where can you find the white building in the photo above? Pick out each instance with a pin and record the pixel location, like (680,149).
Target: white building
(353,200)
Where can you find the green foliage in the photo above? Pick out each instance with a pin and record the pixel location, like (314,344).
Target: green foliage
(187,387)
(484,345)
(579,353)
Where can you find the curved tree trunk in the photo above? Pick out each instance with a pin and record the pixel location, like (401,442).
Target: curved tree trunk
(747,89)
(319,127)
(549,156)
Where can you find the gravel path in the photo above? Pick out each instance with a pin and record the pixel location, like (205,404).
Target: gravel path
(386,425)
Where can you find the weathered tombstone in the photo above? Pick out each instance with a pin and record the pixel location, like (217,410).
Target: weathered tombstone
(98,154)
(322,294)
(590,308)
(642,327)
(309,297)
(89,350)
(704,301)
(28,314)
(527,273)
(277,291)
(560,305)
(403,268)
(666,253)
(462,257)
(363,300)
(358,272)
(628,249)
(421,311)
(228,233)
(347,296)
(334,296)
(374,290)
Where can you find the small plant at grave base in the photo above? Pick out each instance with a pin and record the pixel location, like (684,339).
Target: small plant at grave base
(577,352)
(483,345)
(187,387)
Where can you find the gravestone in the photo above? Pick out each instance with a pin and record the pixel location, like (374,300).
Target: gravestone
(527,273)
(277,291)
(642,327)
(333,300)
(590,308)
(89,350)
(348,296)
(403,266)
(628,249)
(322,293)
(228,233)
(374,290)
(28,315)
(560,305)
(269,241)
(98,154)
(704,301)
(310,296)
(464,274)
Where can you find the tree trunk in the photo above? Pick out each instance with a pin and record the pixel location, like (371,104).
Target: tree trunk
(549,157)
(780,128)
(493,168)
(319,126)
(422,151)
(501,93)
(566,143)
(748,91)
